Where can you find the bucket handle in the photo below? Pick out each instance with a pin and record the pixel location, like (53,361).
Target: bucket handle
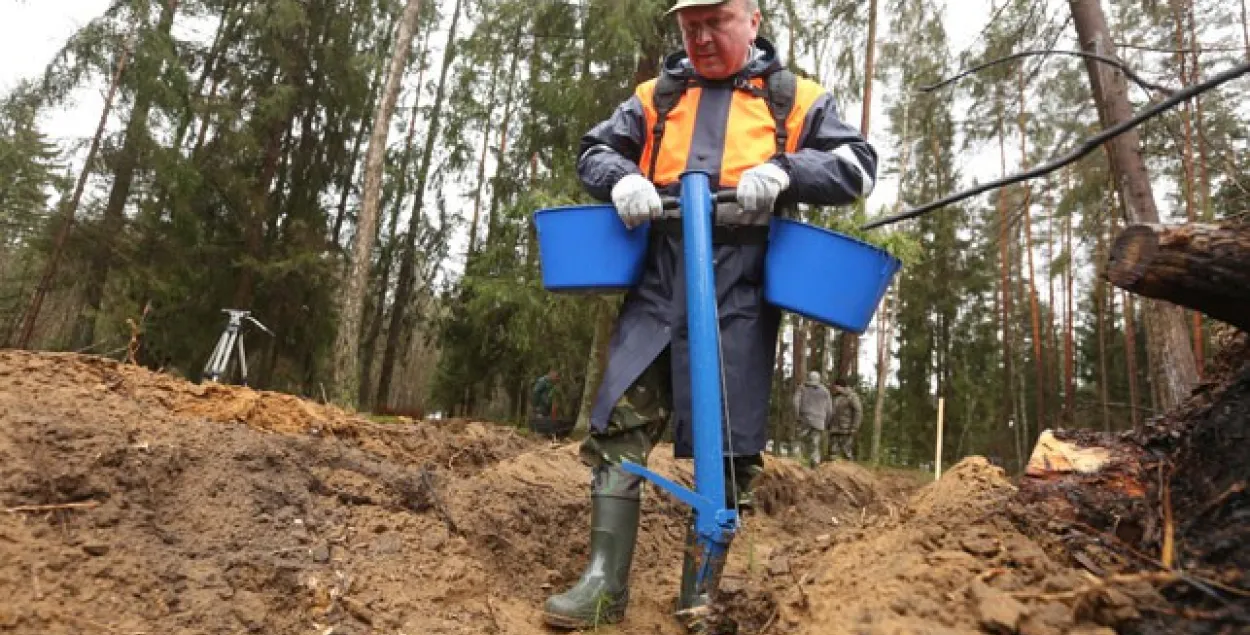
(723,196)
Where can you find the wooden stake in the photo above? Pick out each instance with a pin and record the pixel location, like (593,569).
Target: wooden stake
(937,469)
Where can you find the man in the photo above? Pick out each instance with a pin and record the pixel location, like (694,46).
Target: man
(721,123)
(848,414)
(542,400)
(813,407)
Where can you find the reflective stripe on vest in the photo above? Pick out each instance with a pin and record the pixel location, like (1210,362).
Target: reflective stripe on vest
(695,134)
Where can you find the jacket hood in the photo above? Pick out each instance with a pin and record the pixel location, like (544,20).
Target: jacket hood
(764,60)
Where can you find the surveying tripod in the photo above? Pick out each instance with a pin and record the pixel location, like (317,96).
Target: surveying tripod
(219,361)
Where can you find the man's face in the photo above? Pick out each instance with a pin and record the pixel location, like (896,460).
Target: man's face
(718,37)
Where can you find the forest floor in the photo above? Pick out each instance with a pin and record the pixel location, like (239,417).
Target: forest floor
(133,502)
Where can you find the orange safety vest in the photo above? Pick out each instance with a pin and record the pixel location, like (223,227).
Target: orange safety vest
(749,141)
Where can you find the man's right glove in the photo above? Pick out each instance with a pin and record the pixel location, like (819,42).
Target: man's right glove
(636,200)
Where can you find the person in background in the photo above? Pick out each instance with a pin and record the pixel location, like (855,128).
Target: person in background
(848,414)
(542,399)
(813,407)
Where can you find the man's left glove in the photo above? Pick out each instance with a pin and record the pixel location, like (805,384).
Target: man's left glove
(759,188)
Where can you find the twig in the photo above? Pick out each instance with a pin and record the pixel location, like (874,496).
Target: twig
(1233,490)
(1197,581)
(1099,584)
(490,608)
(52,508)
(1168,557)
(427,481)
(533,484)
(1124,68)
(1087,146)
(771,618)
(798,583)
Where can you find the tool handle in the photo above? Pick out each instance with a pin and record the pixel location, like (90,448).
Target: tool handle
(723,196)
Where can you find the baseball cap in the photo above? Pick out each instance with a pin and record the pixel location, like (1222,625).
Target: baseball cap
(686,4)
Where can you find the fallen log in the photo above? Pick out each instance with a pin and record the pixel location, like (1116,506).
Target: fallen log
(1199,266)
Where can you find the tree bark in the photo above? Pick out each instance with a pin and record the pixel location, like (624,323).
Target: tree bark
(71,208)
(345,187)
(344,370)
(884,333)
(1034,309)
(146,67)
(1188,170)
(1130,358)
(1167,337)
(407,267)
(596,363)
(365,394)
(1004,246)
(481,164)
(848,343)
(1069,340)
(1203,267)
(1245,28)
(1100,305)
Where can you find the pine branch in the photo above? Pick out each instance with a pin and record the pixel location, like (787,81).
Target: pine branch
(1086,147)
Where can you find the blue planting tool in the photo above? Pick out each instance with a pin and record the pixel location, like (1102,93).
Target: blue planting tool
(714,524)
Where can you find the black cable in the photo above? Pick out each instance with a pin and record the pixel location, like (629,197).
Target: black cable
(1086,147)
(1124,68)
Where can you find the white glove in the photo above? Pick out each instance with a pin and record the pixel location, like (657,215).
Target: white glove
(759,188)
(636,200)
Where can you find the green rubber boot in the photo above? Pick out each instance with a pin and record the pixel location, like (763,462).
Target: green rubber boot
(602,593)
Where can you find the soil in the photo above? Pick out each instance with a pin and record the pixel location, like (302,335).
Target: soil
(134,502)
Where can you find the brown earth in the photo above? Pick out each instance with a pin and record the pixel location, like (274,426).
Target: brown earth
(132,502)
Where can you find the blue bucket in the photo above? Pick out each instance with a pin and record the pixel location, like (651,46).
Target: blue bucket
(586,248)
(825,276)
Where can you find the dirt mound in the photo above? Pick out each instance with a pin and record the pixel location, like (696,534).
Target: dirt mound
(94,377)
(134,502)
(951,562)
(141,503)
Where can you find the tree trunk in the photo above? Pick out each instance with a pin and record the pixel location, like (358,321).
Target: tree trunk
(1004,246)
(481,164)
(1245,28)
(344,370)
(1034,310)
(778,390)
(596,362)
(1100,305)
(884,333)
(365,394)
(1203,267)
(407,268)
(1130,358)
(71,208)
(146,66)
(345,186)
(848,343)
(1174,365)
(1069,343)
(1187,156)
